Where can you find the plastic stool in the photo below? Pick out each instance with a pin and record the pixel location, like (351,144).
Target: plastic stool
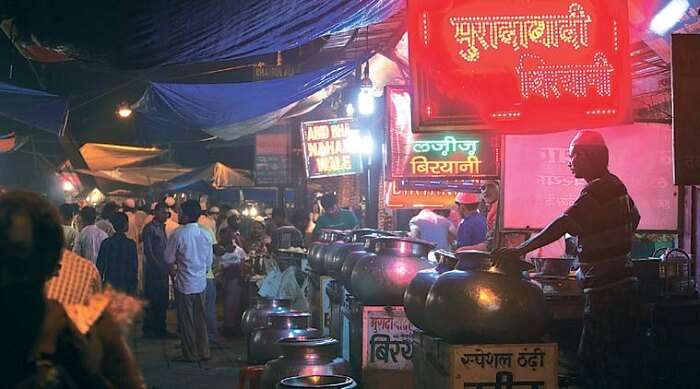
(249,377)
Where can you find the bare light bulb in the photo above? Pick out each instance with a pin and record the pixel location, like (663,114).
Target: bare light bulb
(124,110)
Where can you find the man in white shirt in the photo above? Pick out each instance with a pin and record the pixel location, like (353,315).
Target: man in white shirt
(189,254)
(88,243)
(430,226)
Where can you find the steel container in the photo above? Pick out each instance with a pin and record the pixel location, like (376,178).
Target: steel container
(256,316)
(263,342)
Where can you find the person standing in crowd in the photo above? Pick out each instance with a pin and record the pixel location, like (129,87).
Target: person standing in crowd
(90,238)
(117,260)
(300,220)
(208,220)
(156,287)
(173,222)
(70,234)
(210,291)
(108,210)
(231,258)
(472,231)
(333,216)
(189,253)
(604,219)
(430,226)
(45,349)
(258,240)
(489,207)
(284,235)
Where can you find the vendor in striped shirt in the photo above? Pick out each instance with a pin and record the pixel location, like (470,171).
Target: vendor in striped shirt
(604,218)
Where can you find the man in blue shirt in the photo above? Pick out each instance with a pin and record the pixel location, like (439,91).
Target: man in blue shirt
(471,234)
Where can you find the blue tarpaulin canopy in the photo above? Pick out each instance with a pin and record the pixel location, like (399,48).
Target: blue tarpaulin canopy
(33,108)
(211,177)
(167,110)
(144,34)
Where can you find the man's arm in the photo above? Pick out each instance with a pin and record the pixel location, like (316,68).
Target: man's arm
(171,250)
(549,234)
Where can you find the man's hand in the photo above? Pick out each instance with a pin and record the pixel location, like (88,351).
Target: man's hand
(505,254)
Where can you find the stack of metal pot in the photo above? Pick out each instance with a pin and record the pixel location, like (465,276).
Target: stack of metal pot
(479,303)
(382,279)
(303,357)
(263,341)
(318,248)
(335,253)
(256,316)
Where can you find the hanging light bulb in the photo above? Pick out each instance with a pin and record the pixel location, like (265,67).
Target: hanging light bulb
(68,186)
(124,110)
(365,99)
(350,109)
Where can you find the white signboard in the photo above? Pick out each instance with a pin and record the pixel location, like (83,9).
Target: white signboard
(386,338)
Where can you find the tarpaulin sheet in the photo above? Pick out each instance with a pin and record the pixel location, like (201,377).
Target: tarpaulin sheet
(33,108)
(215,176)
(167,110)
(143,34)
(100,156)
(141,175)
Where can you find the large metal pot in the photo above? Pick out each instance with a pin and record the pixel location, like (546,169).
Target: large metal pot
(496,305)
(318,381)
(354,241)
(353,257)
(302,357)
(316,253)
(382,279)
(417,290)
(262,342)
(256,316)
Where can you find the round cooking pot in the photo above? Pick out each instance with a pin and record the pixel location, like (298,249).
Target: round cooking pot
(316,252)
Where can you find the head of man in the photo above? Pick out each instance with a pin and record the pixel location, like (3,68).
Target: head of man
(330,204)
(490,192)
(279,216)
(257,228)
(233,223)
(32,237)
(161,213)
(88,215)
(588,155)
(190,212)
(226,236)
(109,210)
(67,212)
(467,203)
(120,222)
(214,212)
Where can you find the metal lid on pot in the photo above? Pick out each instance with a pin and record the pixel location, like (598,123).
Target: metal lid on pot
(359,235)
(404,246)
(330,235)
(473,260)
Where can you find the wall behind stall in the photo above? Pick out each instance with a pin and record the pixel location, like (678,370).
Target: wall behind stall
(536,174)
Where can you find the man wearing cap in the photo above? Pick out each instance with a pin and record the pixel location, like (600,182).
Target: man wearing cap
(604,218)
(472,230)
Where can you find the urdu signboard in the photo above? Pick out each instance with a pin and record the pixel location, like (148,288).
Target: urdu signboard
(519,66)
(326,148)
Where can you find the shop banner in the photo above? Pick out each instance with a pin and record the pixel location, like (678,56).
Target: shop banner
(538,185)
(398,198)
(451,155)
(519,66)
(272,158)
(387,339)
(327,150)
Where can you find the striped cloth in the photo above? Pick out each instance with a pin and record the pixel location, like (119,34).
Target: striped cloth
(77,280)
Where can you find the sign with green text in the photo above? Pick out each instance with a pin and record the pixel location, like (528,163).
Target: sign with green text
(326,148)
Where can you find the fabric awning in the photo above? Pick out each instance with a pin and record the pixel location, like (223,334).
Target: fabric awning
(215,108)
(100,156)
(145,34)
(33,108)
(142,175)
(215,176)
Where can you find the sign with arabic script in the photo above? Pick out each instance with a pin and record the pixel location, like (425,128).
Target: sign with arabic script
(386,338)
(454,154)
(505,366)
(519,66)
(326,150)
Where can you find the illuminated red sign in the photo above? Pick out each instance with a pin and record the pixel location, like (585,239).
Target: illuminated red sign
(326,148)
(519,65)
(399,198)
(438,155)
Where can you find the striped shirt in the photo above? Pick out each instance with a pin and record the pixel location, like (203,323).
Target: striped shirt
(605,219)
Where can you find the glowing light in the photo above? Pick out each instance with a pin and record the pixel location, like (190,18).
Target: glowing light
(68,186)
(350,110)
(124,110)
(365,100)
(536,77)
(357,143)
(253,212)
(245,212)
(487,299)
(669,16)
